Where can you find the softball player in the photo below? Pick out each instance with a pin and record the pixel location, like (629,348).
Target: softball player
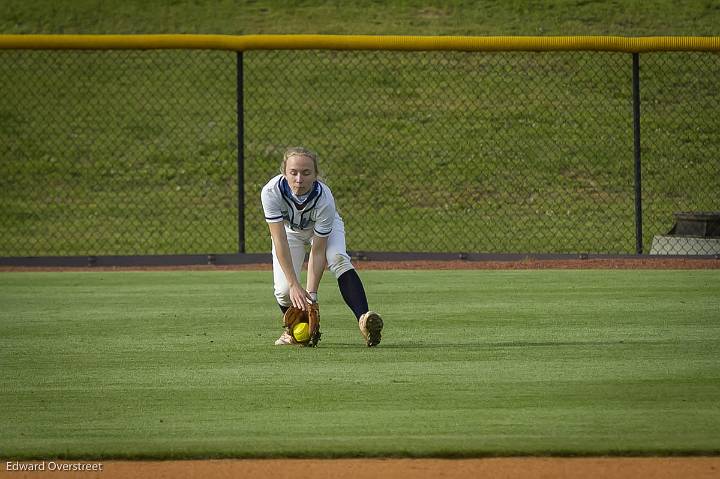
(300,210)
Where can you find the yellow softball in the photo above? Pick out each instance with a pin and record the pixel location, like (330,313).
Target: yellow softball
(301,332)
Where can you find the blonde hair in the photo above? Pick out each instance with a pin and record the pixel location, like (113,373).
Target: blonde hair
(300,151)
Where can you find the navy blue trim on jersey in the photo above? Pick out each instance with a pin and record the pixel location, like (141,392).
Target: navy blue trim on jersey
(321,233)
(317,198)
(287,193)
(291,213)
(304,208)
(279,185)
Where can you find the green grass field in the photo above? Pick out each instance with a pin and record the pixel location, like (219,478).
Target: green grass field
(473,363)
(403,17)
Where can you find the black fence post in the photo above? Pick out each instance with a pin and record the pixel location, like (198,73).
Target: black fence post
(240,154)
(638,169)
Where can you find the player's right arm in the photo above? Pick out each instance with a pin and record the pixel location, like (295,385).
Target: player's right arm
(298,295)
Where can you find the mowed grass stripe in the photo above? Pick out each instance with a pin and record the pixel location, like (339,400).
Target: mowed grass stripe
(473,363)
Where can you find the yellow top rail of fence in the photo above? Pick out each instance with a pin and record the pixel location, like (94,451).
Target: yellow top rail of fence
(361,42)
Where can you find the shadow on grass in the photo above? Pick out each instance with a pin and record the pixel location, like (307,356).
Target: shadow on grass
(499,345)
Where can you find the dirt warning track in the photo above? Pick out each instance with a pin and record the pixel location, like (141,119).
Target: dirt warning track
(496,468)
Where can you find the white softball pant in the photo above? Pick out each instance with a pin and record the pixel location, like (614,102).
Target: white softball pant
(338,261)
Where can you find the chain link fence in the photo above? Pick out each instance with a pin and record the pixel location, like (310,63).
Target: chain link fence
(136,152)
(106,153)
(681,152)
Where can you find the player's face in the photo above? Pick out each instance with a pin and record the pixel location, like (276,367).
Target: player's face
(300,174)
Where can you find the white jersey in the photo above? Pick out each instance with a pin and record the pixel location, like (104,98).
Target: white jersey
(316,210)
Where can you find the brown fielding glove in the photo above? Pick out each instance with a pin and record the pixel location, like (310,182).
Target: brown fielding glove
(293,316)
(313,313)
(311,316)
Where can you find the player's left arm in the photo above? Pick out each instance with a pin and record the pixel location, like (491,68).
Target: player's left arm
(323,227)
(316,262)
